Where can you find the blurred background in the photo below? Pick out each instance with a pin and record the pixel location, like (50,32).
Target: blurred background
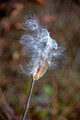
(56,96)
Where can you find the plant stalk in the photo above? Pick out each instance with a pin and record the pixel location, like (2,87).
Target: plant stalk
(28,100)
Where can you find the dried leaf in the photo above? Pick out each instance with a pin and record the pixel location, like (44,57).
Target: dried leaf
(17,9)
(39,2)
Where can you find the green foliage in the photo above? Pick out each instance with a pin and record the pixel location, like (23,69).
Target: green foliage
(47,89)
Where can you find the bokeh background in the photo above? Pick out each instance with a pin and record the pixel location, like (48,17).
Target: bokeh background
(56,96)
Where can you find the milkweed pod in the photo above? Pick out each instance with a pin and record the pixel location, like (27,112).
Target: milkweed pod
(40,69)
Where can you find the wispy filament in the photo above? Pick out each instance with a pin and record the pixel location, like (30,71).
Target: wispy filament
(40,47)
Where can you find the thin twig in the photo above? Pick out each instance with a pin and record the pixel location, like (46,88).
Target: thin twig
(28,100)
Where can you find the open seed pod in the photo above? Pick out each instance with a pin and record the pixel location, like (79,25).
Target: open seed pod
(39,69)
